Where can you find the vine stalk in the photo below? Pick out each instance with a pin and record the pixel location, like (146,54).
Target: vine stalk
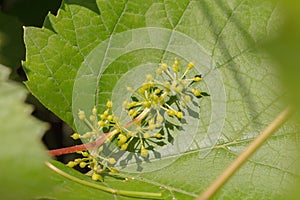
(243,157)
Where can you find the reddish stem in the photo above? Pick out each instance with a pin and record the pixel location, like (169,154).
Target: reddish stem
(82,147)
(101,140)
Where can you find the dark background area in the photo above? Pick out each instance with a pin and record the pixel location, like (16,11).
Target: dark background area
(31,13)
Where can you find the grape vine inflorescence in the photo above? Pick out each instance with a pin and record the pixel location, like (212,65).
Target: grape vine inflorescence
(148,109)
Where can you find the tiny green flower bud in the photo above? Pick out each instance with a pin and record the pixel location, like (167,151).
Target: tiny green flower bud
(179,114)
(82,164)
(97,177)
(147,104)
(122,139)
(141,90)
(109,104)
(190,66)
(75,136)
(95,167)
(85,154)
(196,79)
(106,112)
(146,86)
(132,104)
(151,121)
(134,114)
(94,110)
(155,98)
(100,148)
(197,93)
(111,161)
(101,124)
(175,66)
(81,115)
(171,112)
(71,164)
(144,152)
(124,146)
(131,112)
(176,61)
(157,91)
(103,117)
(110,118)
(158,135)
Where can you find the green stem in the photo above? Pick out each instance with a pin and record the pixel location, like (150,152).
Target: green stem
(148,195)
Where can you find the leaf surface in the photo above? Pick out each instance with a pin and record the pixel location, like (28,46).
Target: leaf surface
(23,173)
(91,51)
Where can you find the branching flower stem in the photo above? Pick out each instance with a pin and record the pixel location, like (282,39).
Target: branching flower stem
(101,140)
(243,157)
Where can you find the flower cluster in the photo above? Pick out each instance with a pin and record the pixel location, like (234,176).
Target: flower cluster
(99,124)
(150,105)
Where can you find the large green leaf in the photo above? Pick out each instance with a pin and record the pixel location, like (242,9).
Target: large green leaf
(23,172)
(92,50)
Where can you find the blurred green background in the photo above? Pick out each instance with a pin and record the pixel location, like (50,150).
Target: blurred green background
(285,50)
